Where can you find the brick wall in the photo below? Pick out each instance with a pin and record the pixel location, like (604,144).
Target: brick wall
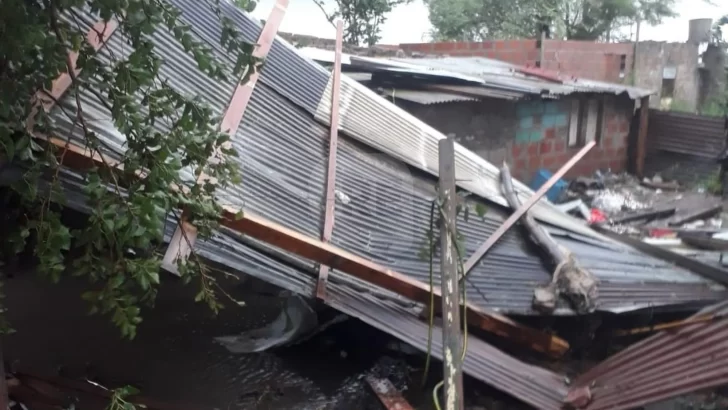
(596,61)
(530,135)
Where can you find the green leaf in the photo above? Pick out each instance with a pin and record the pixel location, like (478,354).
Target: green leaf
(480,209)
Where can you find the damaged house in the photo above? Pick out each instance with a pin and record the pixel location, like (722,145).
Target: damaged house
(533,119)
(386,176)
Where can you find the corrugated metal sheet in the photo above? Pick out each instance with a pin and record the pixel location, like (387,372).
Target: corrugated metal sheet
(669,364)
(685,133)
(386,179)
(384,197)
(485,72)
(424,97)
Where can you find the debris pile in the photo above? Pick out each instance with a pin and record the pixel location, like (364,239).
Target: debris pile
(685,220)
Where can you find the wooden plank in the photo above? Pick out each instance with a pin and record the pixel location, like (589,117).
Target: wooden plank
(289,240)
(185,234)
(336,258)
(452,347)
(333,143)
(642,136)
(518,213)
(390,397)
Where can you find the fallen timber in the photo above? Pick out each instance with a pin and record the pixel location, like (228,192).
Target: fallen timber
(247,223)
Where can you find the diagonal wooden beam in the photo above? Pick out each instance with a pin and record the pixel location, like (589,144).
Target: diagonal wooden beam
(97,36)
(289,240)
(331,175)
(518,213)
(185,234)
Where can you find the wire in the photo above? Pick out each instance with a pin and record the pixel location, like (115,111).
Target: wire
(430,234)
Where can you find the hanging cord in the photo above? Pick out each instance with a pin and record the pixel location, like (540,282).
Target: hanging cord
(461,274)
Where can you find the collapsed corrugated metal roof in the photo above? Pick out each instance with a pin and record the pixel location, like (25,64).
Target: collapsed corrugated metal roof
(484,72)
(668,364)
(385,184)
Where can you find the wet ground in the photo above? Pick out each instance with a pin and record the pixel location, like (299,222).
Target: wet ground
(174,357)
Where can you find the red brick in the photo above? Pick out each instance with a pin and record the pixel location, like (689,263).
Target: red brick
(617,164)
(533,149)
(487,45)
(501,45)
(546,147)
(475,46)
(534,162)
(559,145)
(621,152)
(521,164)
(444,46)
(461,45)
(550,133)
(624,126)
(517,150)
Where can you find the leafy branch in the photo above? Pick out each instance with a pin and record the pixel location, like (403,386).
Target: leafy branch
(363,20)
(166,133)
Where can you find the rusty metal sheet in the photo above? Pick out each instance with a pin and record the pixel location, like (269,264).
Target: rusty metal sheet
(687,134)
(672,363)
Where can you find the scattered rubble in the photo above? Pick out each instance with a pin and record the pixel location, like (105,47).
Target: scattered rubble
(685,220)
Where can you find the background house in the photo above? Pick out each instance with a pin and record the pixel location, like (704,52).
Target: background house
(685,75)
(503,112)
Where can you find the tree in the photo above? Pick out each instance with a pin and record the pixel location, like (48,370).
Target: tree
(166,132)
(718,34)
(363,19)
(477,20)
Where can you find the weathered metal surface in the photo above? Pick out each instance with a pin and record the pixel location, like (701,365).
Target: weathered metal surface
(688,134)
(452,391)
(333,147)
(388,394)
(488,73)
(183,240)
(669,364)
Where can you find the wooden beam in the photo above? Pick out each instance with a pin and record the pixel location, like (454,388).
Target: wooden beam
(333,142)
(390,397)
(284,238)
(248,223)
(97,36)
(642,136)
(185,234)
(452,347)
(518,213)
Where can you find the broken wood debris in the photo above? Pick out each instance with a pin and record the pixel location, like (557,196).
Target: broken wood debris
(644,215)
(702,213)
(668,325)
(569,279)
(519,212)
(390,397)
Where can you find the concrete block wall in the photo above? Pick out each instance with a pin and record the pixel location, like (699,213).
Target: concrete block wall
(530,135)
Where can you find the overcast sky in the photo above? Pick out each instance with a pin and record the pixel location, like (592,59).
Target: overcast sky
(410,23)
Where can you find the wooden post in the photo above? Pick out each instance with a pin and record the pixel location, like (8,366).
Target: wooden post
(333,142)
(642,136)
(4,400)
(451,339)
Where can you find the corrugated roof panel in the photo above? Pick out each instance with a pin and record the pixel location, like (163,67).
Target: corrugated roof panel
(488,73)
(669,364)
(426,97)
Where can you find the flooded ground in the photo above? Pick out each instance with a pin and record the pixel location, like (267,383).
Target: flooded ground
(174,357)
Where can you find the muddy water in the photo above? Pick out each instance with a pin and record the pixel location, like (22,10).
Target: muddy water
(174,357)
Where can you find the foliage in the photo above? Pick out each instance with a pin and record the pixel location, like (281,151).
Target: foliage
(718,35)
(119,399)
(477,20)
(363,19)
(166,133)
